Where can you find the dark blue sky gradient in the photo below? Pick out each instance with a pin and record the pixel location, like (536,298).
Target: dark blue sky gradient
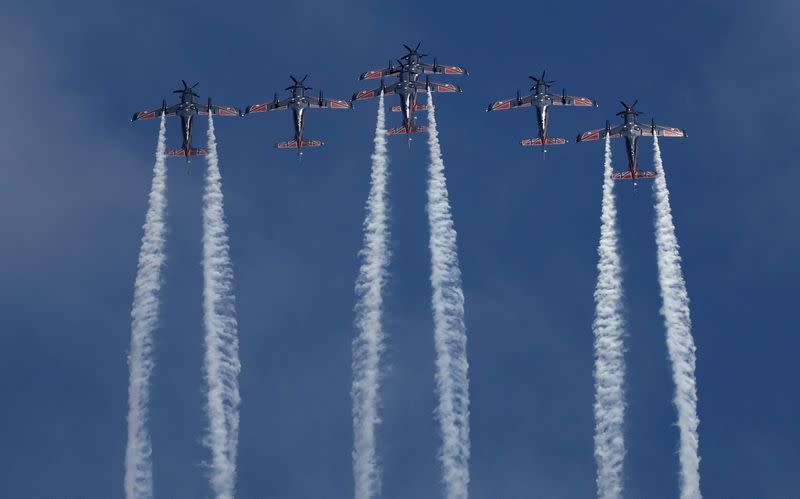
(74,194)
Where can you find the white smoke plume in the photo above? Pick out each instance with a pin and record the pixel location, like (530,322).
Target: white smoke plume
(222,365)
(609,359)
(680,343)
(450,336)
(144,315)
(369,344)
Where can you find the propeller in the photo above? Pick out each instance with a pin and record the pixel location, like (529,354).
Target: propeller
(629,108)
(187,88)
(298,83)
(414,51)
(541,80)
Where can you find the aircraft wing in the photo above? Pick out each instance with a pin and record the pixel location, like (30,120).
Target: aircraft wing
(273,105)
(436,87)
(369,94)
(329,103)
(571,100)
(379,73)
(511,103)
(615,132)
(202,110)
(154,113)
(431,69)
(663,131)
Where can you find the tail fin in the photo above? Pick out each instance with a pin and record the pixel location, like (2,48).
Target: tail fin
(418,107)
(627,175)
(292,144)
(402,130)
(180,153)
(550,141)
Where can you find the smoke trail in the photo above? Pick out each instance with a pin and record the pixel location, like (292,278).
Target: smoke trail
(680,343)
(368,346)
(450,336)
(609,363)
(144,315)
(221,342)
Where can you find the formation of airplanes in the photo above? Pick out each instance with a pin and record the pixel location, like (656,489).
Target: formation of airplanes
(408,86)
(409,70)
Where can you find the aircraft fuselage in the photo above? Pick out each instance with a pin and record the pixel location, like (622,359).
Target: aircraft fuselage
(299,122)
(631,130)
(542,100)
(407,90)
(187,110)
(298,104)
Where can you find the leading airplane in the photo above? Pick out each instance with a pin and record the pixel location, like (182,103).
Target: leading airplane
(187,110)
(408,73)
(298,103)
(542,99)
(631,129)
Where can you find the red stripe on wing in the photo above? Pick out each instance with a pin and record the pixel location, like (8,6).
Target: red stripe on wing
(257,108)
(582,101)
(227,111)
(339,104)
(371,75)
(591,134)
(365,94)
(446,87)
(501,105)
(149,114)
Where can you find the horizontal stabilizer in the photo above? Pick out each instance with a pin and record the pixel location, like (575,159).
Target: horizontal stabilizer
(627,175)
(292,144)
(402,130)
(180,153)
(537,141)
(418,107)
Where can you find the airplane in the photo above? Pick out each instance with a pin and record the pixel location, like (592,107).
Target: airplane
(298,103)
(408,86)
(541,99)
(631,129)
(187,110)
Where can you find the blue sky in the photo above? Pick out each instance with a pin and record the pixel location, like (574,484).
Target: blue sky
(74,193)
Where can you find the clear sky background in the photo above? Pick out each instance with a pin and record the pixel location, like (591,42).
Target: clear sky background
(74,190)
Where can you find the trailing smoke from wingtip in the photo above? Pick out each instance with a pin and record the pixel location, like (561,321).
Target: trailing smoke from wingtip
(609,362)
(221,363)
(450,337)
(680,343)
(369,344)
(144,315)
